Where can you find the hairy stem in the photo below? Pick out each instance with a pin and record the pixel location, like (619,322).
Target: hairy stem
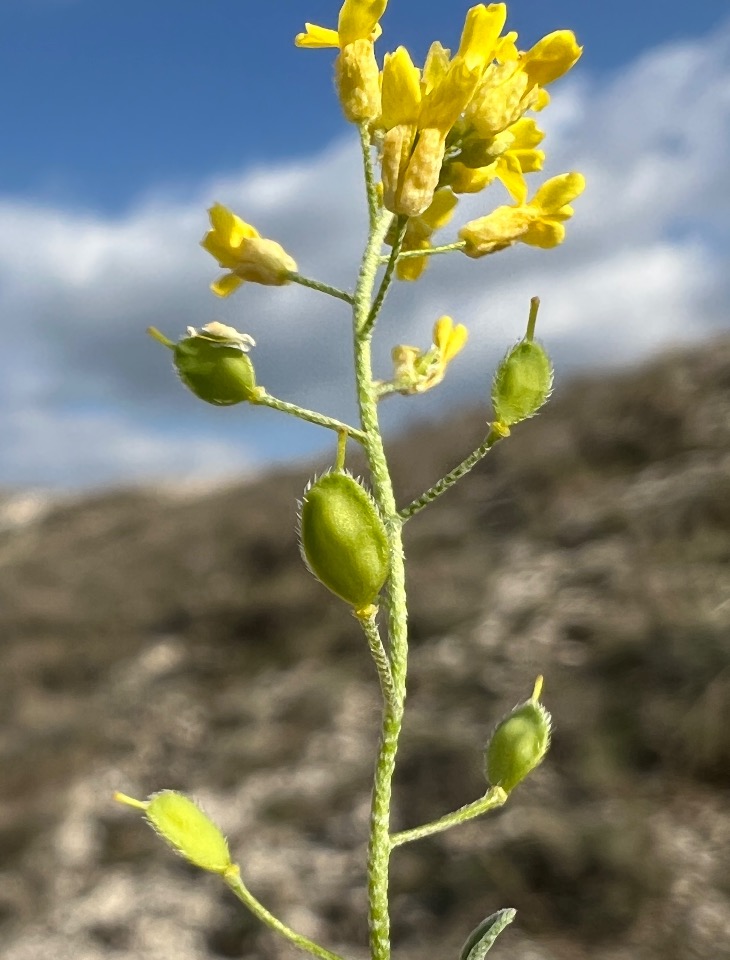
(385,283)
(379,846)
(494,435)
(370,185)
(311,416)
(428,252)
(320,287)
(380,657)
(234,882)
(495,797)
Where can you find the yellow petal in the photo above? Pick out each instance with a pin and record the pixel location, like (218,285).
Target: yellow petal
(317,37)
(221,251)
(509,172)
(558,191)
(544,233)
(231,229)
(226,284)
(551,57)
(358,19)
(441,209)
(465,179)
(530,161)
(435,67)
(456,344)
(482,28)
(525,134)
(441,332)
(401,90)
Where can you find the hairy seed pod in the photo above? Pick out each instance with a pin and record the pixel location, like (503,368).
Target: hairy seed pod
(188,830)
(522,383)
(343,538)
(518,744)
(214,365)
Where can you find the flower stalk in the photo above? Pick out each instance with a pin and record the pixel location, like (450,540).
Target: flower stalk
(452,126)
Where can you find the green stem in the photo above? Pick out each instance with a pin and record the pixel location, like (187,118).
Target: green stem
(380,656)
(233,880)
(401,226)
(532,320)
(428,252)
(495,797)
(321,287)
(311,416)
(379,845)
(494,435)
(367,163)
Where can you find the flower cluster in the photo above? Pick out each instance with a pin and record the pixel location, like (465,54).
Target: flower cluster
(455,125)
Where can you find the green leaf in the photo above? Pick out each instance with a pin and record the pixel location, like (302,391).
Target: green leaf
(481,940)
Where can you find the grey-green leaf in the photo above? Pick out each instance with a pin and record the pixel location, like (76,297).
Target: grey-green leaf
(481,940)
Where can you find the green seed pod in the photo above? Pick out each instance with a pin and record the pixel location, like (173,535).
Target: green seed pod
(343,539)
(214,364)
(519,743)
(184,826)
(522,383)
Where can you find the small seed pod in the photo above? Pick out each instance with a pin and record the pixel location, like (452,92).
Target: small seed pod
(343,539)
(184,826)
(519,743)
(214,364)
(522,383)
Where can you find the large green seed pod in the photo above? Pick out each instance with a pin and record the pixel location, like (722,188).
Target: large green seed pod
(522,383)
(343,539)
(519,743)
(214,365)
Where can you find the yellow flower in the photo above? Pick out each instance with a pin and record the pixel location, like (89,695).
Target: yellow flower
(516,154)
(239,248)
(358,20)
(356,69)
(416,371)
(538,223)
(419,231)
(513,85)
(419,111)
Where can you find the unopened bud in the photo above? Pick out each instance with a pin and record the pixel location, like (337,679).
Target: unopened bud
(519,743)
(343,539)
(184,826)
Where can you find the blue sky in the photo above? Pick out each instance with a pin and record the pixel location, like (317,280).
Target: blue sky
(122,122)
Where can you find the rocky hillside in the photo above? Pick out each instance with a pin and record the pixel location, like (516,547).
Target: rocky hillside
(158,638)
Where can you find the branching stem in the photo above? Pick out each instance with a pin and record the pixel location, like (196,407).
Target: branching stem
(311,416)
(494,435)
(321,287)
(495,797)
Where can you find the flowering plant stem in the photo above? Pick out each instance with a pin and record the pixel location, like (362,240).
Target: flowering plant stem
(379,847)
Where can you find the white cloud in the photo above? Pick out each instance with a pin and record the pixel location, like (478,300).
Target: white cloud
(85,397)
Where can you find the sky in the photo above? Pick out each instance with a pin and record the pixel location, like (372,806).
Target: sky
(121,123)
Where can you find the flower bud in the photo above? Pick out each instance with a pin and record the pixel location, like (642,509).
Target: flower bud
(343,539)
(215,365)
(184,826)
(358,81)
(519,743)
(522,383)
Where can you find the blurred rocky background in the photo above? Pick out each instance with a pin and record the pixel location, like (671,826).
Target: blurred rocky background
(168,638)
